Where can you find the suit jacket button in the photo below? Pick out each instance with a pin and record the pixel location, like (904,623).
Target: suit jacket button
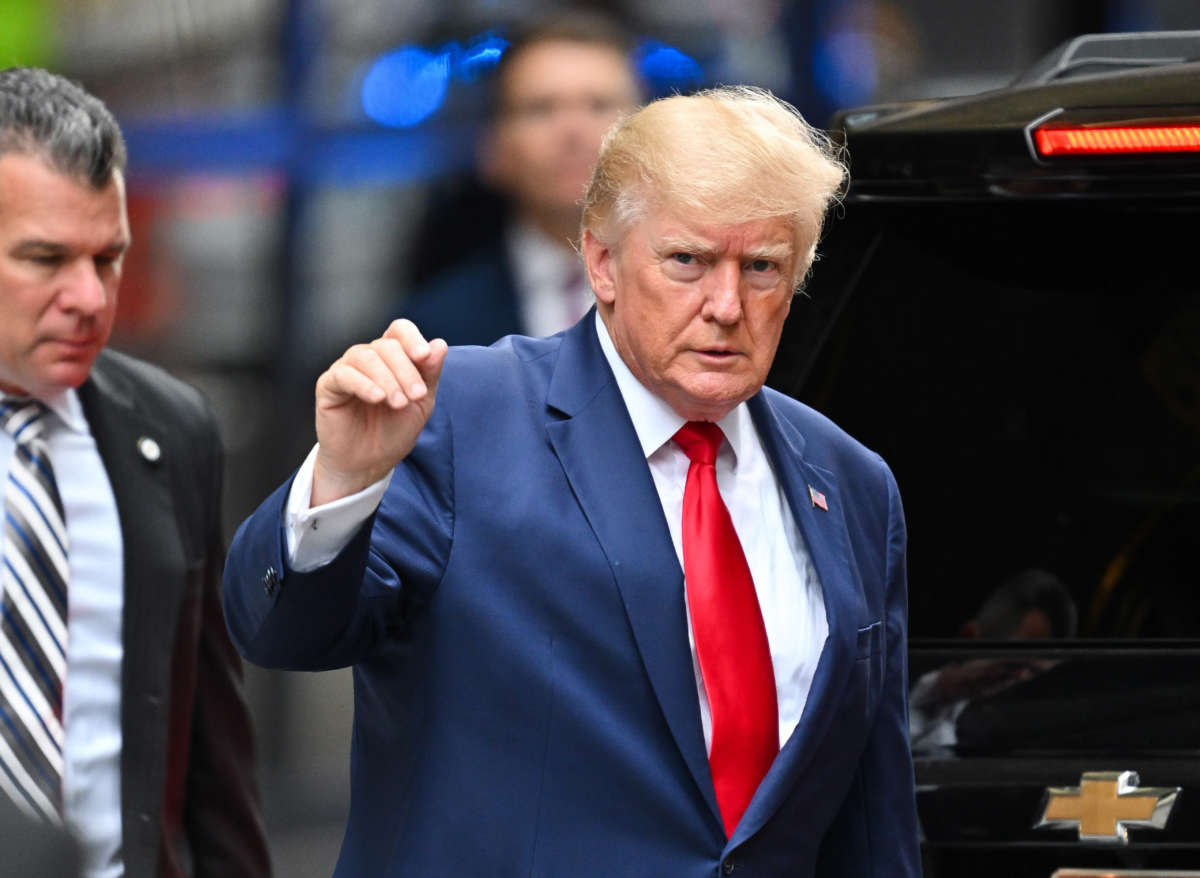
(729,867)
(270,580)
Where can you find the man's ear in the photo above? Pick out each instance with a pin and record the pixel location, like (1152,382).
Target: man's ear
(598,259)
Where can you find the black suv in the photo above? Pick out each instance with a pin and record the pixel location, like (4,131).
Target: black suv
(1007,308)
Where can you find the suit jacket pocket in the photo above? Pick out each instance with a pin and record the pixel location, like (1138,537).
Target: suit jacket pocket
(868,639)
(869,653)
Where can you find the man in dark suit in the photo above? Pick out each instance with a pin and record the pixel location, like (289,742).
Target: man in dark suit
(120,694)
(613,607)
(559,86)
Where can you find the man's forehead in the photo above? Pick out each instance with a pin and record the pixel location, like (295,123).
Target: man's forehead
(40,203)
(522,80)
(666,226)
(34,168)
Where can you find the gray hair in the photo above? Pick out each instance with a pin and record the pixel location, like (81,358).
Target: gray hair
(47,115)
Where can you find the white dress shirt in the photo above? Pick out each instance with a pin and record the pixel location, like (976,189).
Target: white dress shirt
(95,599)
(551,287)
(789,593)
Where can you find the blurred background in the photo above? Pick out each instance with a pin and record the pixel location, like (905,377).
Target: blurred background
(284,155)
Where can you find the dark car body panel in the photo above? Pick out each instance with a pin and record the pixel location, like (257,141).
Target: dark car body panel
(1020,339)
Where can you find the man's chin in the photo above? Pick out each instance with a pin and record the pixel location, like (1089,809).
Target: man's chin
(59,377)
(712,403)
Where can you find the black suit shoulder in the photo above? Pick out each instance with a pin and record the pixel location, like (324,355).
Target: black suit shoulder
(178,409)
(128,401)
(153,389)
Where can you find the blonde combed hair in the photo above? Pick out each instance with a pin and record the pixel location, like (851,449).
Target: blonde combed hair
(733,154)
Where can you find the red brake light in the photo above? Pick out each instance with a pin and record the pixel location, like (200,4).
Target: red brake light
(1117,140)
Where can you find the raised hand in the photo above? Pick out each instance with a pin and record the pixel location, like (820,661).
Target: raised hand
(371,405)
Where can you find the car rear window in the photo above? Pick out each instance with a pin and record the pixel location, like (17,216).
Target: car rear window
(1031,372)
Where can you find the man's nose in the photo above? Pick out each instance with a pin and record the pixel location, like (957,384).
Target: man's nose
(723,301)
(83,290)
(575,123)
(583,123)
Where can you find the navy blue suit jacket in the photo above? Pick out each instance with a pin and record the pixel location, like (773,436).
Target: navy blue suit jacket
(525,702)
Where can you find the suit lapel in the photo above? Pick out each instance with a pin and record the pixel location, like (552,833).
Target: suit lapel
(594,440)
(827,540)
(149,533)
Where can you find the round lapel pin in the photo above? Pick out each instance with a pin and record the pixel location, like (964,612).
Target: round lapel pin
(149,449)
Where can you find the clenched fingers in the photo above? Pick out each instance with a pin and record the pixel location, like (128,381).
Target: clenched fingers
(395,369)
(425,356)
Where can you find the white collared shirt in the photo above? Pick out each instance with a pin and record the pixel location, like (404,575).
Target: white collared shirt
(789,592)
(95,601)
(551,287)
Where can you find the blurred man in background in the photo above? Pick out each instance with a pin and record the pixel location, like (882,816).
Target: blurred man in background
(121,712)
(559,86)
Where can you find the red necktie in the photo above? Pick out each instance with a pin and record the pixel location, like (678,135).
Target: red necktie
(731,640)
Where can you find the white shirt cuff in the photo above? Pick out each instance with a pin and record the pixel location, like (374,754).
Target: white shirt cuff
(316,535)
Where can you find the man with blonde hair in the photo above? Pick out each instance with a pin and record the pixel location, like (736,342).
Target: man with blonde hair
(613,607)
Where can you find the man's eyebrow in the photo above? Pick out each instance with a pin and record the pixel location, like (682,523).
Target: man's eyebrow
(41,247)
(686,245)
(774,252)
(37,246)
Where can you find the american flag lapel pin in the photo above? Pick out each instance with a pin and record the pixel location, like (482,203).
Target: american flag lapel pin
(818,499)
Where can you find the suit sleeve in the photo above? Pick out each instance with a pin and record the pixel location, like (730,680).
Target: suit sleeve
(875,834)
(221,811)
(337,614)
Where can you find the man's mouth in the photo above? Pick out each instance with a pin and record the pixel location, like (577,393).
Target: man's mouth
(81,343)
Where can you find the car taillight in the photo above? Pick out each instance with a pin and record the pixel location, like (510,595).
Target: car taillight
(1096,140)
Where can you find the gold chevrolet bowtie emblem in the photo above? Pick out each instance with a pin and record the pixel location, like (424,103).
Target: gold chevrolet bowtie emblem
(1104,804)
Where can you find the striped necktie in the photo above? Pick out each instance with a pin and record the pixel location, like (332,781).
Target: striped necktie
(33,618)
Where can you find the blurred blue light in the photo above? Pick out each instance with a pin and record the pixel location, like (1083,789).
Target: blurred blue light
(405,86)
(479,57)
(665,68)
(844,68)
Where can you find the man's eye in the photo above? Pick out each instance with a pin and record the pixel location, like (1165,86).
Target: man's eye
(534,111)
(761,265)
(684,258)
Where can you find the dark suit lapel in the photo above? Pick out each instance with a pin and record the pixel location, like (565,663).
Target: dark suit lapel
(825,536)
(593,437)
(150,534)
